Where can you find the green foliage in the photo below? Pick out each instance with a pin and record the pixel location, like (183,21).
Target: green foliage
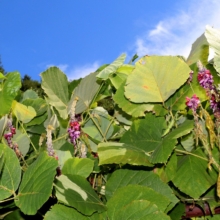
(29,84)
(117,144)
(2,70)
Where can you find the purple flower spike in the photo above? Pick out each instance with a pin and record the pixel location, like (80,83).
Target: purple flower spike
(193,102)
(205,79)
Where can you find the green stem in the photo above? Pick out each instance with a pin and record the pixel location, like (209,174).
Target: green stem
(28,136)
(94,98)
(61,137)
(6,200)
(186,152)
(108,126)
(97,126)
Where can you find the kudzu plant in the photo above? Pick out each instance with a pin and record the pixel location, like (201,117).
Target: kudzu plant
(150,155)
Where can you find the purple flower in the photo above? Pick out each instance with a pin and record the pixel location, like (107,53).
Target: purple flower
(205,79)
(193,102)
(74,131)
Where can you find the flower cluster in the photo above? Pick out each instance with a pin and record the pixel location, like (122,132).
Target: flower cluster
(74,131)
(193,102)
(9,135)
(205,79)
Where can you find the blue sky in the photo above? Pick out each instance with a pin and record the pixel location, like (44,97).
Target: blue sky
(80,35)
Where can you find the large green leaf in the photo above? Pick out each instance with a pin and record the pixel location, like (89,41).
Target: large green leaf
(9,91)
(145,134)
(213,37)
(138,209)
(63,212)
(36,184)
(199,51)
(10,173)
(78,166)
(120,153)
(75,191)
(85,93)
(163,151)
(55,85)
(156,78)
(131,108)
(192,176)
(143,178)
(22,112)
(125,196)
(104,74)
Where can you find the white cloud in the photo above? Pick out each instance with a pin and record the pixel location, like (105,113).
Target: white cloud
(62,67)
(82,71)
(78,71)
(175,34)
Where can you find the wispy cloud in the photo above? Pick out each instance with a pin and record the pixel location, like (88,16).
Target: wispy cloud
(82,71)
(175,34)
(76,72)
(62,67)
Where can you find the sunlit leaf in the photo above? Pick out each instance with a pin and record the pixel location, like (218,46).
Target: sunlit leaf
(2,76)
(55,85)
(213,37)
(104,74)
(199,51)
(156,78)
(131,108)
(9,91)
(22,112)
(36,184)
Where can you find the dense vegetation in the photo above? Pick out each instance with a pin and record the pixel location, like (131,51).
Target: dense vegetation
(129,141)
